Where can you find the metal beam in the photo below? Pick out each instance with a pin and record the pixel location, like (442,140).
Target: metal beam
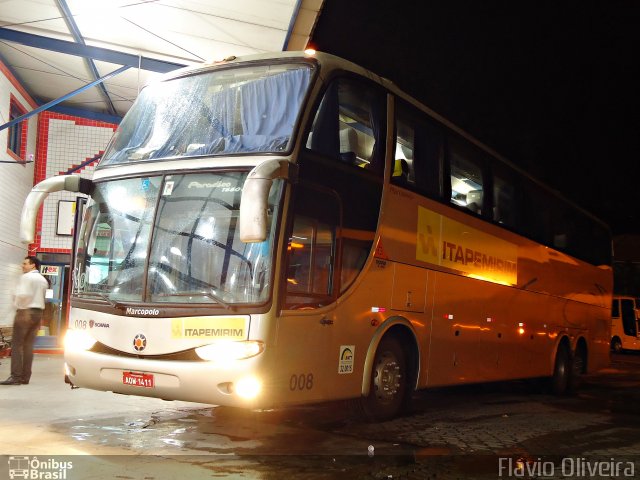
(63,98)
(86,51)
(77,35)
(292,22)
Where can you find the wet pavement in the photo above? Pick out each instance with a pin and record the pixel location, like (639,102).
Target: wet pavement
(486,431)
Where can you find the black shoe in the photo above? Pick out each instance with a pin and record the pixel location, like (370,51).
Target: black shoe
(12,381)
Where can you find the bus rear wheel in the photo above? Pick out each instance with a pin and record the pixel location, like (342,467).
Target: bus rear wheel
(388,381)
(561,379)
(578,367)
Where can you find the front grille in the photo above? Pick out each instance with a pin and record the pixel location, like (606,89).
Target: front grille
(185,355)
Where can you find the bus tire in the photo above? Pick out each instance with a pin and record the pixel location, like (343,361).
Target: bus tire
(562,370)
(616,345)
(388,381)
(578,367)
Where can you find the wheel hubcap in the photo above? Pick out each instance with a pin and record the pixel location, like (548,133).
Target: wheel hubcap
(387,378)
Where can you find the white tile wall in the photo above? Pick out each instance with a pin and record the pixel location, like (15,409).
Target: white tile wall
(15,183)
(69,145)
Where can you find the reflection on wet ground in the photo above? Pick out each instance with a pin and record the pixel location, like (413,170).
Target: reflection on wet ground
(452,433)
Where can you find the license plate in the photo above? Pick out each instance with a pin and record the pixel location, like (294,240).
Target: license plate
(138,379)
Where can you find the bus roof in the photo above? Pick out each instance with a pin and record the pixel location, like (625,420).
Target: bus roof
(334,63)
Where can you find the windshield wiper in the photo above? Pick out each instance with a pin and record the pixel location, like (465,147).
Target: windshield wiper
(103,296)
(213,296)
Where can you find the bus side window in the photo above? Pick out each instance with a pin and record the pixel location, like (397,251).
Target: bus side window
(418,151)
(628,317)
(349,125)
(311,252)
(534,205)
(504,201)
(467,179)
(402,172)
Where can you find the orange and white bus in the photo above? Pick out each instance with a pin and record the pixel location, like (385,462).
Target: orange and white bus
(292,228)
(625,324)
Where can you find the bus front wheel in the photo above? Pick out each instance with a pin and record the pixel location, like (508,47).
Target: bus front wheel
(388,381)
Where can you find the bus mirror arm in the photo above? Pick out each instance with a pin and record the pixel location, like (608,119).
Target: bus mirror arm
(37,195)
(255,197)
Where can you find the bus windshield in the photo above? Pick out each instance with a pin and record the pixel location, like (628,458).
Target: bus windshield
(251,109)
(173,239)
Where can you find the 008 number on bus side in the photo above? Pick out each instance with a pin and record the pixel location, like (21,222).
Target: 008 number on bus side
(302,381)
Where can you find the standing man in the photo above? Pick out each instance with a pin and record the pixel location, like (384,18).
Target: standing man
(29,301)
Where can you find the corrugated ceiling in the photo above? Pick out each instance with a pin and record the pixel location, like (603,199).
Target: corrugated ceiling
(54,47)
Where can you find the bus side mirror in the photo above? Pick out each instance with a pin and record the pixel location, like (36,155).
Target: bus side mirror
(37,195)
(255,197)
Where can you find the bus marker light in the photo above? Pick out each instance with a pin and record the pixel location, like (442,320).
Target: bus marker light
(378,309)
(448,316)
(248,387)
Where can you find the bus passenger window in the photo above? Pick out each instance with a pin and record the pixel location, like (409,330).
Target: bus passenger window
(504,202)
(628,317)
(466,182)
(402,173)
(349,125)
(417,160)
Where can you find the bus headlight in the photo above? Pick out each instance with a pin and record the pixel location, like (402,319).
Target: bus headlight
(76,340)
(248,387)
(228,351)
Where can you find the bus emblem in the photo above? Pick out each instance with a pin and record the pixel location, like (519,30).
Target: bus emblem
(139,342)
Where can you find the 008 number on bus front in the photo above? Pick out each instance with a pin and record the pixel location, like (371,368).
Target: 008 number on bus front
(302,381)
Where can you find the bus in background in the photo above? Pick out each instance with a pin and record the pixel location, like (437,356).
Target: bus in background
(292,228)
(625,324)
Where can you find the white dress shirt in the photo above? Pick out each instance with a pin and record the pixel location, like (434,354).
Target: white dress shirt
(30,291)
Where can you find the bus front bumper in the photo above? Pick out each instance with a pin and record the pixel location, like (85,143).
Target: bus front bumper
(236,383)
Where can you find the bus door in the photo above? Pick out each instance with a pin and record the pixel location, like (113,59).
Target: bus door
(306,325)
(336,206)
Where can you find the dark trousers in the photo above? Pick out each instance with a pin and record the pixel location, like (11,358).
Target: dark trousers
(25,327)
